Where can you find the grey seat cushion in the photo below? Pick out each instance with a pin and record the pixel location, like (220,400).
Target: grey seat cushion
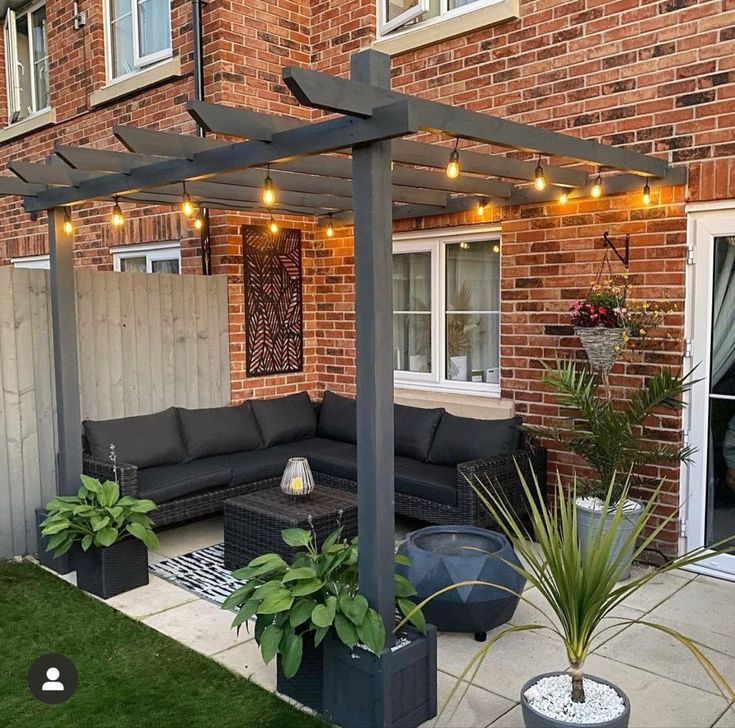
(342,461)
(219,430)
(285,419)
(166,482)
(145,440)
(414,430)
(338,418)
(461,439)
(437,483)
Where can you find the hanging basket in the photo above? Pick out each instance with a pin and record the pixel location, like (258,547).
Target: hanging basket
(602,344)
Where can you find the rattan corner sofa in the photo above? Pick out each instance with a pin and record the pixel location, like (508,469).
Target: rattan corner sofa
(190,461)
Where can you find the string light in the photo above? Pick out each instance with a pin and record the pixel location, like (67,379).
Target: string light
(330,227)
(199,219)
(68,225)
(481,207)
(453,168)
(269,191)
(646,195)
(273,226)
(187,206)
(117,219)
(539,181)
(596,190)
(563,197)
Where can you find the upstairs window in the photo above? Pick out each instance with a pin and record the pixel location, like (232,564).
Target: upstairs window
(138,35)
(403,14)
(26,62)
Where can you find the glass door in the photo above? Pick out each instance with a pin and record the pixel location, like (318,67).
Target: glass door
(711,508)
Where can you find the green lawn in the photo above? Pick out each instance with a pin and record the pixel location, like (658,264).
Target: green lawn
(129,674)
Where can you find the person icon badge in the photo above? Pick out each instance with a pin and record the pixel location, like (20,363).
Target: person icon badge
(52,683)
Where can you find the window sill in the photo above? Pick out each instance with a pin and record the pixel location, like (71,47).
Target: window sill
(132,84)
(439,29)
(26,126)
(479,405)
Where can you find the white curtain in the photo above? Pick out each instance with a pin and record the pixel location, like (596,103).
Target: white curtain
(154,17)
(723,310)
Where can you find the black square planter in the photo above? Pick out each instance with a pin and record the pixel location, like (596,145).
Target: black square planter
(396,690)
(112,570)
(61,565)
(307,685)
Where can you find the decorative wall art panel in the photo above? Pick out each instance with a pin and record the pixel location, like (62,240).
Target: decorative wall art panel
(274,341)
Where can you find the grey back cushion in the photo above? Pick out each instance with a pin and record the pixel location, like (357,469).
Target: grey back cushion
(219,431)
(338,418)
(145,440)
(461,439)
(285,419)
(414,430)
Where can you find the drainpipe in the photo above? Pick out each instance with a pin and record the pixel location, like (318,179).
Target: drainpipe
(196,12)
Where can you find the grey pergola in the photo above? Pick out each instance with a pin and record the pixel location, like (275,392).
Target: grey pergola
(387,177)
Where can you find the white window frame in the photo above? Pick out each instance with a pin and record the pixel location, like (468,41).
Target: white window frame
(32,261)
(151,252)
(436,242)
(390,27)
(140,62)
(12,77)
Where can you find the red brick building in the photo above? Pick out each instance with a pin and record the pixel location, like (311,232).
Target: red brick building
(656,76)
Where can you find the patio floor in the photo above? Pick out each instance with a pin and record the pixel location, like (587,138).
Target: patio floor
(666,686)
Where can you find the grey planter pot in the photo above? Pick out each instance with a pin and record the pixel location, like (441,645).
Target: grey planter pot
(533,719)
(61,565)
(395,690)
(114,569)
(588,522)
(445,555)
(307,685)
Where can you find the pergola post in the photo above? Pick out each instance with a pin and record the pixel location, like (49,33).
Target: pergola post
(66,370)
(373,233)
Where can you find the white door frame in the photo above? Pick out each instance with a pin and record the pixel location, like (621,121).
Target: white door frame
(705,223)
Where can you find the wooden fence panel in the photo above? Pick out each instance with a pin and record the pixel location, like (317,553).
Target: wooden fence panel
(146,342)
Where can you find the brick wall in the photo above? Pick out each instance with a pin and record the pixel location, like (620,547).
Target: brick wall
(656,76)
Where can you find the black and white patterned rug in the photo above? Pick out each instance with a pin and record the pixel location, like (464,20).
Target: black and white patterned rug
(200,572)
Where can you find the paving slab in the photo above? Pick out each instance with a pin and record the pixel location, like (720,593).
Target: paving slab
(245,660)
(657,590)
(727,720)
(191,536)
(156,596)
(200,625)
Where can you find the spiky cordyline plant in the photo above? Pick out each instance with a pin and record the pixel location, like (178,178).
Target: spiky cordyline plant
(579,586)
(609,434)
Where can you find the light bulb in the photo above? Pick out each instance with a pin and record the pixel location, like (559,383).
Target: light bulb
(563,198)
(187,206)
(453,169)
(646,195)
(596,190)
(269,191)
(539,181)
(68,225)
(330,230)
(117,219)
(496,248)
(198,220)
(481,208)
(273,226)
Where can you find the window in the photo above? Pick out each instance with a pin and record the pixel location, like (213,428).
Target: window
(31,261)
(138,34)
(399,14)
(446,317)
(26,62)
(155,258)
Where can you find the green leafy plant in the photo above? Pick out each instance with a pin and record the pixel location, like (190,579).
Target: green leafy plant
(316,593)
(610,434)
(580,586)
(96,516)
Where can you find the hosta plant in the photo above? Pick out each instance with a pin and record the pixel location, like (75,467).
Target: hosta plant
(316,593)
(96,517)
(580,586)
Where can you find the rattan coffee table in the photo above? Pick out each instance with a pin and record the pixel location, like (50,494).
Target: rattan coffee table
(253,522)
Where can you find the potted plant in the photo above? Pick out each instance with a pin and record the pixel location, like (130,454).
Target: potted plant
(113,533)
(297,606)
(613,438)
(581,588)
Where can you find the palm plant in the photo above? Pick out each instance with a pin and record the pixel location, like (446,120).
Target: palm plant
(580,586)
(612,436)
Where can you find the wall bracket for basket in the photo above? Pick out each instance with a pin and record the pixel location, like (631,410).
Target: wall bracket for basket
(624,257)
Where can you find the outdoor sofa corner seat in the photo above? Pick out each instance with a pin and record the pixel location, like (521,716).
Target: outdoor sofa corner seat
(191,461)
